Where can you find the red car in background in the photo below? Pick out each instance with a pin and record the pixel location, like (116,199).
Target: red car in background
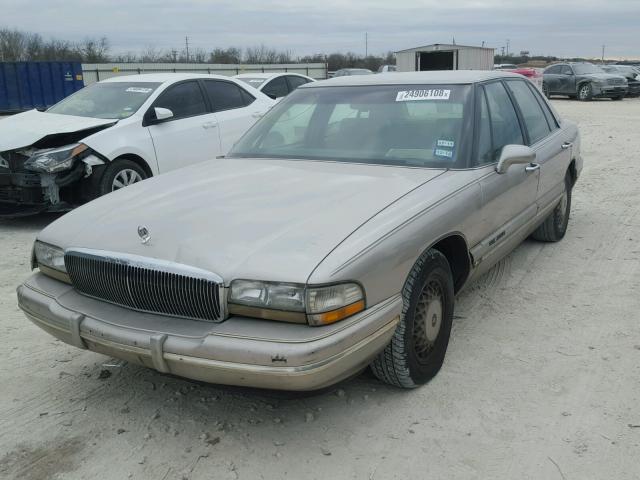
(533,74)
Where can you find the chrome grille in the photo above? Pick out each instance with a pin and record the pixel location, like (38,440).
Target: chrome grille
(146,284)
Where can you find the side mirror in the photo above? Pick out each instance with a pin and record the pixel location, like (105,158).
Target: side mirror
(514,155)
(162,113)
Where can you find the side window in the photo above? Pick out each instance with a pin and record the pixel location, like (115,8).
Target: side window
(532,114)
(551,119)
(485,150)
(556,69)
(184,100)
(226,95)
(295,82)
(276,88)
(566,70)
(505,127)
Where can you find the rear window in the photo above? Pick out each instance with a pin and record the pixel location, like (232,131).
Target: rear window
(412,125)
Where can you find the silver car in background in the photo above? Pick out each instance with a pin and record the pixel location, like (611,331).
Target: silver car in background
(334,236)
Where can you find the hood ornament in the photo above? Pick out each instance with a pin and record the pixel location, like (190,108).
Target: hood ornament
(143,233)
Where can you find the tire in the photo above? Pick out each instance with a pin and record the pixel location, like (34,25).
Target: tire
(555,225)
(119,174)
(545,91)
(585,92)
(417,350)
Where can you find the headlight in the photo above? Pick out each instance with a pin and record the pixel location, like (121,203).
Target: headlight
(291,302)
(50,260)
(56,160)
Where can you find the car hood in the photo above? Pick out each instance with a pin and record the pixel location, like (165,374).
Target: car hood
(25,129)
(261,219)
(601,76)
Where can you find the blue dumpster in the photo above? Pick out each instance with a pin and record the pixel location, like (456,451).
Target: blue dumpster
(27,85)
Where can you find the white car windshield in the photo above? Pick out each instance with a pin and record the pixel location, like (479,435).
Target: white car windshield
(115,100)
(409,125)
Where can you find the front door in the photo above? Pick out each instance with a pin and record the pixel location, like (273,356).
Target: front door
(191,135)
(508,199)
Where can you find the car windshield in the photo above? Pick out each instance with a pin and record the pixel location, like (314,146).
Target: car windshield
(254,82)
(408,125)
(115,100)
(586,68)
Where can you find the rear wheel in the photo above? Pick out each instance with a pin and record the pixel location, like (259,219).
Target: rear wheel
(417,350)
(585,92)
(120,174)
(555,225)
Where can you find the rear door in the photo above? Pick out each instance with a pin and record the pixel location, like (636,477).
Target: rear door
(567,80)
(508,199)
(553,150)
(236,110)
(551,78)
(188,137)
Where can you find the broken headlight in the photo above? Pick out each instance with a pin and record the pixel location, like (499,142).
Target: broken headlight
(55,160)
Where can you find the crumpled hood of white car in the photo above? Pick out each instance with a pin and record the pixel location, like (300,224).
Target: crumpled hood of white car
(259,219)
(25,129)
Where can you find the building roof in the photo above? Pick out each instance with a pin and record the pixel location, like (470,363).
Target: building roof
(444,46)
(416,78)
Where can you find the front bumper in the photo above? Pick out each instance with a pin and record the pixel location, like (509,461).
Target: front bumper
(609,90)
(240,351)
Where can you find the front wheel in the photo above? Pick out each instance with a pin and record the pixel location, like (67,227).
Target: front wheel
(120,174)
(555,225)
(416,351)
(585,92)
(545,91)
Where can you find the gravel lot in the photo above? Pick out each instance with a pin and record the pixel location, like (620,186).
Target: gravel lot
(540,380)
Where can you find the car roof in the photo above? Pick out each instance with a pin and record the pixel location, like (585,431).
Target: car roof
(163,77)
(267,75)
(416,78)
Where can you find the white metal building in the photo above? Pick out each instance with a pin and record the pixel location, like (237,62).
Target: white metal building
(440,56)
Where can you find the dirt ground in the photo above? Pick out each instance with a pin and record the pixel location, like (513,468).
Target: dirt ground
(541,380)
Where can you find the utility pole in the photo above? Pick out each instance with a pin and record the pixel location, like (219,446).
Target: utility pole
(366,44)
(186,44)
(603,54)
(507,47)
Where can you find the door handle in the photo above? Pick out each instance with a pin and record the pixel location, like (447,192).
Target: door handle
(532,167)
(209,125)
(566,145)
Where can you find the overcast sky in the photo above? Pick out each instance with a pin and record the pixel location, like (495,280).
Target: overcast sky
(548,27)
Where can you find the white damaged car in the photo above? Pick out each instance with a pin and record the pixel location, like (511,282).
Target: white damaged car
(118,132)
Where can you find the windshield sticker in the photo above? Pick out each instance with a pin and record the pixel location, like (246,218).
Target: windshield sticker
(430,94)
(446,143)
(139,90)
(442,153)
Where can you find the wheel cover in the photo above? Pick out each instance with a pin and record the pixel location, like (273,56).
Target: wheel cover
(427,319)
(584,91)
(124,178)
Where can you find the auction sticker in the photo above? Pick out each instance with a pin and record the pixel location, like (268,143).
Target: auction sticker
(429,94)
(138,90)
